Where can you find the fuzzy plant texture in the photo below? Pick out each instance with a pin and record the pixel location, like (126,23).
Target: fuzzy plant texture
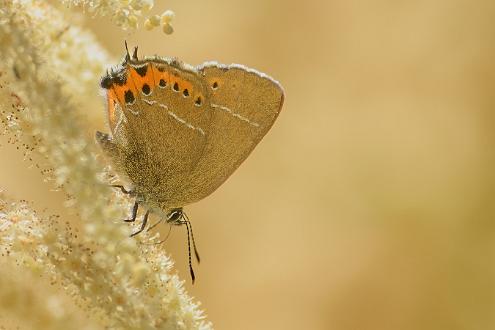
(54,275)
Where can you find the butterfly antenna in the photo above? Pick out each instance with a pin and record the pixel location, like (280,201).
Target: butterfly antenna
(189,252)
(127,56)
(134,54)
(192,236)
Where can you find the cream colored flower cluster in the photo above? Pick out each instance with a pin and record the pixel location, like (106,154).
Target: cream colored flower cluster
(165,20)
(110,280)
(27,278)
(126,13)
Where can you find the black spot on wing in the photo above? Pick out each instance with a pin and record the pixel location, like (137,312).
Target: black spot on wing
(146,89)
(129,97)
(141,70)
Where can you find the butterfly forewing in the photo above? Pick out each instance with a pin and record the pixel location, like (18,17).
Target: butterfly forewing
(179,132)
(162,132)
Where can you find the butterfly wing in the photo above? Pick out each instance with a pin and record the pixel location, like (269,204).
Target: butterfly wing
(177,132)
(158,127)
(244,105)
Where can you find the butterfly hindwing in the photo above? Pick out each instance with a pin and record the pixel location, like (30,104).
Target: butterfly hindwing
(245,104)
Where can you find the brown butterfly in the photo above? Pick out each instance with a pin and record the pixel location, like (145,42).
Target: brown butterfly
(177,132)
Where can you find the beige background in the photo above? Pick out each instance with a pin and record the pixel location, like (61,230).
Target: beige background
(370,204)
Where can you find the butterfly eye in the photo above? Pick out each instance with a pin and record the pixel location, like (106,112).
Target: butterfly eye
(162,83)
(185,92)
(176,87)
(129,97)
(146,89)
(174,216)
(106,82)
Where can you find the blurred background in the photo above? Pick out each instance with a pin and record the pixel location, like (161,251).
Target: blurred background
(371,202)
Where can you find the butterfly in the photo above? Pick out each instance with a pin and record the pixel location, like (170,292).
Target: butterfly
(177,132)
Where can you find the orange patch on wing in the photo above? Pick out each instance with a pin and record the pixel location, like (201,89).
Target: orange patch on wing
(171,79)
(120,90)
(157,74)
(140,81)
(112,101)
(183,84)
(111,98)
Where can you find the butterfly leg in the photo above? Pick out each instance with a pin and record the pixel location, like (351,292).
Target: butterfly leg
(143,225)
(134,213)
(122,188)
